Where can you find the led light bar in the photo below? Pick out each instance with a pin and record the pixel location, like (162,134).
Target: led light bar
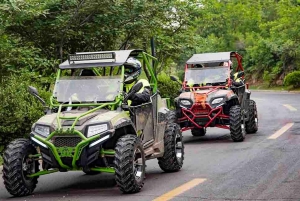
(39,142)
(108,56)
(98,141)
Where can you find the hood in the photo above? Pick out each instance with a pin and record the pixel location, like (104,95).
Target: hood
(93,118)
(206,96)
(80,122)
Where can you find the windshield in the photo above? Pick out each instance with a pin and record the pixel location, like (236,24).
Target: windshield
(203,76)
(87,88)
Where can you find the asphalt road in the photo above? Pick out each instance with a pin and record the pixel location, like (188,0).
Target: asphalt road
(259,168)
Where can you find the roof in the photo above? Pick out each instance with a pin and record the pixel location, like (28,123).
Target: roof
(209,57)
(120,58)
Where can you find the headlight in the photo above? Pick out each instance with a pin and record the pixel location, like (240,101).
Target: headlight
(185,102)
(94,130)
(42,130)
(217,101)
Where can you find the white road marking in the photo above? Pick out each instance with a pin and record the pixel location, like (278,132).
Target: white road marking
(291,108)
(281,131)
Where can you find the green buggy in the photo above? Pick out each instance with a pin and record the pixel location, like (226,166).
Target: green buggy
(90,127)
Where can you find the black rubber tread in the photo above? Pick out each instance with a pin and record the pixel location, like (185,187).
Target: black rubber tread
(14,181)
(169,161)
(171,117)
(251,125)
(198,132)
(236,131)
(124,158)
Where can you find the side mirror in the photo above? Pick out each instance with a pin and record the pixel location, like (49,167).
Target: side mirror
(33,91)
(136,87)
(173,78)
(241,74)
(133,90)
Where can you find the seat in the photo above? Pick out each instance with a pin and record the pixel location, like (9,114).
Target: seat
(87,72)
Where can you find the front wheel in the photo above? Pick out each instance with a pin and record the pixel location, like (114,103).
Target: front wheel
(173,157)
(252,123)
(130,164)
(237,128)
(18,165)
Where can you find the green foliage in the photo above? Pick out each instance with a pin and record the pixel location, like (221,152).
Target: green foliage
(18,109)
(1,160)
(266,33)
(36,35)
(269,77)
(292,79)
(167,87)
(180,75)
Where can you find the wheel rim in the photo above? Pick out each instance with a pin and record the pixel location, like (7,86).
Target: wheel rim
(28,167)
(243,127)
(178,148)
(256,118)
(138,165)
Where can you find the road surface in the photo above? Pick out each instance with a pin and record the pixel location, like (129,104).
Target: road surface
(266,166)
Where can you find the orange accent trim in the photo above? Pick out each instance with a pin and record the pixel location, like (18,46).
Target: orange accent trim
(200,98)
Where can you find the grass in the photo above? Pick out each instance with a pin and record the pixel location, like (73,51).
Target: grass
(275,88)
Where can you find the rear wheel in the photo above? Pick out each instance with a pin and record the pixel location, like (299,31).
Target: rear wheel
(237,127)
(129,164)
(198,132)
(18,165)
(173,157)
(252,123)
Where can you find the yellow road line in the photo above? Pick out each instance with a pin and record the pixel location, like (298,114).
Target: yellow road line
(281,131)
(291,108)
(181,189)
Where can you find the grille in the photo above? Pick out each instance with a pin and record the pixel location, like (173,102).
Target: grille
(66,141)
(202,121)
(200,111)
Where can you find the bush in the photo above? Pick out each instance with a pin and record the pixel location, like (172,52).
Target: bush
(180,75)
(18,109)
(292,79)
(167,87)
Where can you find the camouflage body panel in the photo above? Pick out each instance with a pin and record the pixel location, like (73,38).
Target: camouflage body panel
(155,148)
(113,118)
(219,93)
(150,124)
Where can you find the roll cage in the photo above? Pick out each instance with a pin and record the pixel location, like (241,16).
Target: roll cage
(213,60)
(102,63)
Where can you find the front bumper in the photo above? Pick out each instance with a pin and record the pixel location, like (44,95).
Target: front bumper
(70,151)
(203,116)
